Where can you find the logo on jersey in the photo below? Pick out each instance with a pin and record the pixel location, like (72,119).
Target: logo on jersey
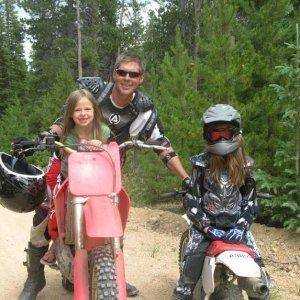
(114,119)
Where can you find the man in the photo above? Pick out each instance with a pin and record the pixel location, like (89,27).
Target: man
(128,113)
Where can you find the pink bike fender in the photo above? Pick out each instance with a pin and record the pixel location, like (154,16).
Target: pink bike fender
(102,218)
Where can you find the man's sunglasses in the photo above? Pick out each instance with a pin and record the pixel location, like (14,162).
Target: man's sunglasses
(215,135)
(124,73)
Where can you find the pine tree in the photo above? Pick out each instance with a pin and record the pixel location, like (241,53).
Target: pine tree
(161,29)
(268,24)
(101,37)
(286,184)
(13,70)
(226,57)
(133,28)
(51,27)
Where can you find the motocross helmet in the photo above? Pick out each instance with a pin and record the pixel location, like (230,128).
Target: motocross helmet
(221,141)
(22,186)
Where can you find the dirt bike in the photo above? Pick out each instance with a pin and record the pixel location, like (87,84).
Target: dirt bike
(94,266)
(224,265)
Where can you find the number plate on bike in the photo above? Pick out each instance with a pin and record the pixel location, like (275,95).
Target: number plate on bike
(241,263)
(93,174)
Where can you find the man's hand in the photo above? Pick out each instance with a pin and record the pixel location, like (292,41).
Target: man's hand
(214,234)
(234,235)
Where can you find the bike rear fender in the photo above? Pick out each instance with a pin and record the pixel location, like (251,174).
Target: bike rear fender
(233,260)
(102,218)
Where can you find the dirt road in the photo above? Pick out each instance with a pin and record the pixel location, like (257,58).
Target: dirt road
(151,251)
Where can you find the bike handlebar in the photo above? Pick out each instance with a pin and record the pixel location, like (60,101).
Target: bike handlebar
(141,144)
(50,144)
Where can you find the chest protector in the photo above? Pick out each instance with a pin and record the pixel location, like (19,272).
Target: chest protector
(221,201)
(221,198)
(120,119)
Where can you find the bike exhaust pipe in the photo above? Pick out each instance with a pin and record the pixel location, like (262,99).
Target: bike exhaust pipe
(254,287)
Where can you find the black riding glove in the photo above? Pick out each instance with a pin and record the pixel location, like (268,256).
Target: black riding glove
(186,183)
(189,201)
(18,145)
(215,234)
(234,235)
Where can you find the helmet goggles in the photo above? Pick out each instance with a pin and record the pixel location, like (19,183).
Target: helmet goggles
(219,134)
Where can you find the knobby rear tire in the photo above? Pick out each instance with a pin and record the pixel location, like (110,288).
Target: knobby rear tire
(228,291)
(103,279)
(182,246)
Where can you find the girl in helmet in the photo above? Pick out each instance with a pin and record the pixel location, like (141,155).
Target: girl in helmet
(221,197)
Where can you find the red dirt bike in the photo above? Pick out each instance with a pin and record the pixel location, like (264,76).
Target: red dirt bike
(95,264)
(223,265)
(228,268)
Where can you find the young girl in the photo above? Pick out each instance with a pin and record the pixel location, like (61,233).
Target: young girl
(83,123)
(221,197)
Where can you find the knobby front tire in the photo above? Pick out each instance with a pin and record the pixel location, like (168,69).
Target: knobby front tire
(103,279)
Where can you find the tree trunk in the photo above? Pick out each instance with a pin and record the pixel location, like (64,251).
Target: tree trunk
(197,8)
(79,38)
(297,114)
(183,28)
(121,22)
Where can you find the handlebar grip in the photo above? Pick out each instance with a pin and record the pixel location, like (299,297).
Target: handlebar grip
(69,150)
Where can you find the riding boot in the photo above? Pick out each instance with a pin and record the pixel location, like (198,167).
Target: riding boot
(36,277)
(183,290)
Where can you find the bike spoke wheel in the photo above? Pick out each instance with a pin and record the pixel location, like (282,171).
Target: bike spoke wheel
(103,279)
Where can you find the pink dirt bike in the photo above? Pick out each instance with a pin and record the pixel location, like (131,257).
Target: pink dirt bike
(94,265)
